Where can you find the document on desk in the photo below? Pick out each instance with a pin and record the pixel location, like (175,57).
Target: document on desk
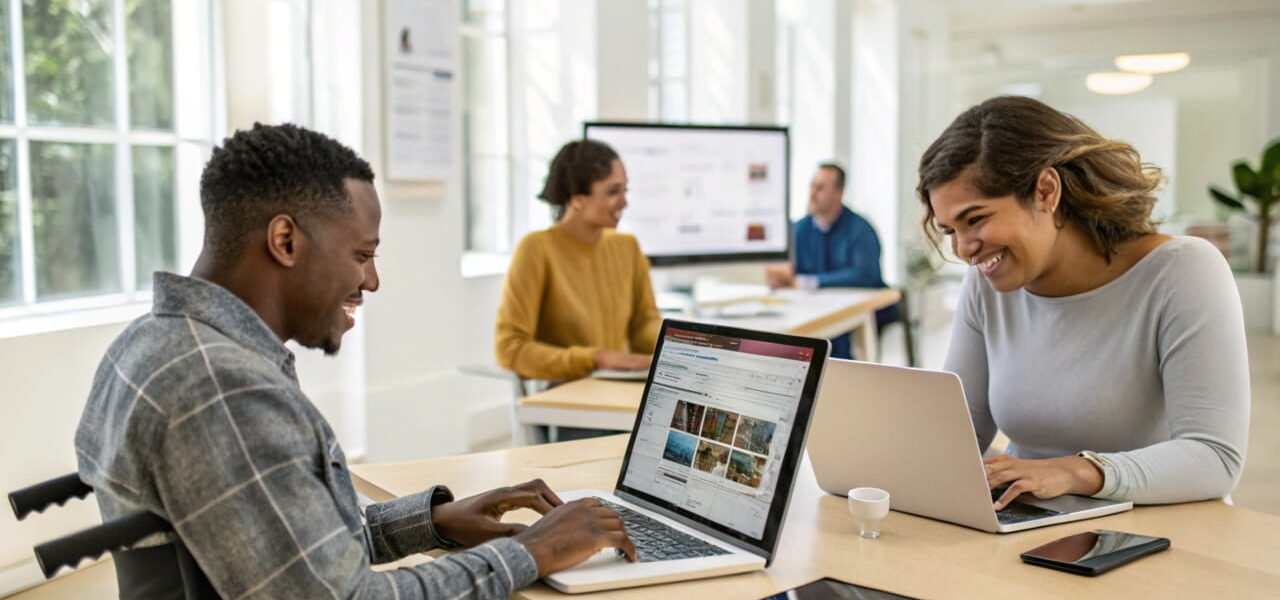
(620,375)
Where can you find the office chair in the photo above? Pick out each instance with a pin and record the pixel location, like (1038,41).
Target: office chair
(134,567)
(521,434)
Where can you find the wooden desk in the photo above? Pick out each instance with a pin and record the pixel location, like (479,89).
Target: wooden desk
(1219,551)
(598,404)
(823,313)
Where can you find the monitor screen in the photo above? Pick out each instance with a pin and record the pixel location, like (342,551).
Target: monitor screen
(721,425)
(703,193)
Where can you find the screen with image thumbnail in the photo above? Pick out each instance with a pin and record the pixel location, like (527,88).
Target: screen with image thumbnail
(703,193)
(716,424)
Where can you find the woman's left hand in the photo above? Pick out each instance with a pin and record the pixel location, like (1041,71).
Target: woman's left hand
(1043,478)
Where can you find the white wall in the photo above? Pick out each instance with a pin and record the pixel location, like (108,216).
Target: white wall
(47,379)
(813,98)
(923,94)
(1227,101)
(622,52)
(718,90)
(873,171)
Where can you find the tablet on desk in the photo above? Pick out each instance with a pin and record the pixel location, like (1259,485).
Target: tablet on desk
(828,588)
(619,375)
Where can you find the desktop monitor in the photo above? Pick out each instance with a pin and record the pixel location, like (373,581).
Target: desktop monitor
(703,193)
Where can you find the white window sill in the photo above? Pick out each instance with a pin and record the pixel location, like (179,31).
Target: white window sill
(72,314)
(484,264)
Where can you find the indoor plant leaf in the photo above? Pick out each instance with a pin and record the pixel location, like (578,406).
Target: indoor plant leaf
(1246,180)
(1224,199)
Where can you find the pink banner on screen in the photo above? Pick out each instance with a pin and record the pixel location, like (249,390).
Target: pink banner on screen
(778,350)
(740,345)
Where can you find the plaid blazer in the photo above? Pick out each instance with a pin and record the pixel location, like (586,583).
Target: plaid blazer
(196,415)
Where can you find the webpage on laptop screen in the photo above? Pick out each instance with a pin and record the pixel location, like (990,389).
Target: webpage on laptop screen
(716,424)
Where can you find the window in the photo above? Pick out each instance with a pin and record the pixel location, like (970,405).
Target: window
(98,115)
(668,61)
(529,83)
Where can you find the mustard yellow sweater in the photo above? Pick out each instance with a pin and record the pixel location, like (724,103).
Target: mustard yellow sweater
(565,299)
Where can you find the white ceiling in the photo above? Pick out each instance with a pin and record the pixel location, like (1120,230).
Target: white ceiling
(980,16)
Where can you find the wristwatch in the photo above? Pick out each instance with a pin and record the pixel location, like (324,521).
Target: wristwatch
(1097,461)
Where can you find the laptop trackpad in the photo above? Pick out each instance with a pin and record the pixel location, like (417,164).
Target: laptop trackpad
(1068,503)
(606,556)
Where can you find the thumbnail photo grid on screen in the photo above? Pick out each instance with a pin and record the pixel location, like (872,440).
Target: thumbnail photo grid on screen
(722,443)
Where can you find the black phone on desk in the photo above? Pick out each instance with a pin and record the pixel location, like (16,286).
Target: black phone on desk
(1094,552)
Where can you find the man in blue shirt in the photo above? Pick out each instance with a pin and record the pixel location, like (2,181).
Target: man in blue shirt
(834,247)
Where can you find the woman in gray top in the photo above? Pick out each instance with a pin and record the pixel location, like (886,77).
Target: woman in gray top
(1113,357)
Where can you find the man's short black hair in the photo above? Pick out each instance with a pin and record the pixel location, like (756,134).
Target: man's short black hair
(839,173)
(271,170)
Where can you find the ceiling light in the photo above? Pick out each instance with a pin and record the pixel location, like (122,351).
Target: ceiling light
(1153,63)
(1117,83)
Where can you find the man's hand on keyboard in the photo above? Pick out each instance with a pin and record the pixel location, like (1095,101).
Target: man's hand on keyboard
(572,532)
(478,519)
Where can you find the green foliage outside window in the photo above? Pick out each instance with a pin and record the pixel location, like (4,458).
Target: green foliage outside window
(150,41)
(10,267)
(69,53)
(70,78)
(73,213)
(6,67)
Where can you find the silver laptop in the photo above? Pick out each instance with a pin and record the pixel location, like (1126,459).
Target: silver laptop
(707,476)
(908,431)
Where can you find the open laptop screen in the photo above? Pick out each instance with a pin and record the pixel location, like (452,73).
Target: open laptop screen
(721,426)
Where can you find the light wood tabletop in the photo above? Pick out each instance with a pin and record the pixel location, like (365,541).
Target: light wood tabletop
(1218,551)
(825,312)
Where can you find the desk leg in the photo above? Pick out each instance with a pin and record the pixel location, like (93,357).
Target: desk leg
(522,434)
(865,343)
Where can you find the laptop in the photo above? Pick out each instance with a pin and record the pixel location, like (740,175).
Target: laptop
(908,431)
(707,476)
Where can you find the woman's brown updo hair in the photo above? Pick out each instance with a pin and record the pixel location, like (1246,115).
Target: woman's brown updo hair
(1004,144)
(576,166)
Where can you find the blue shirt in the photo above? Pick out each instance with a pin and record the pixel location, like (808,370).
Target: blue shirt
(846,256)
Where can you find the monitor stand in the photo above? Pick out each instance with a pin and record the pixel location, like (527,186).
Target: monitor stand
(673,289)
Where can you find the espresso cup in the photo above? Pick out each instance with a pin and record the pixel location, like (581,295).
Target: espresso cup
(868,506)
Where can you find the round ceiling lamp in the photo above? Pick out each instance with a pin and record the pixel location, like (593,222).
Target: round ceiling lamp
(1117,83)
(1153,63)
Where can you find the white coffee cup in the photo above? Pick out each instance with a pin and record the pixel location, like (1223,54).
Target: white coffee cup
(869,506)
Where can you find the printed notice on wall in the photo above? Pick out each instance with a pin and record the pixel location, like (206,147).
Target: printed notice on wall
(421,39)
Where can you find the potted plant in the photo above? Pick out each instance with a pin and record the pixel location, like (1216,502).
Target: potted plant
(1257,193)
(1263,187)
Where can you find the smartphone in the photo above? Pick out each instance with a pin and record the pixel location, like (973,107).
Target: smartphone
(1094,552)
(828,588)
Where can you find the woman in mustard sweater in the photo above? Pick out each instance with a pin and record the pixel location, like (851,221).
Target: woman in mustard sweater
(577,295)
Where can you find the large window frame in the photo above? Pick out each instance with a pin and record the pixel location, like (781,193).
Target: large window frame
(526,92)
(194,119)
(669,50)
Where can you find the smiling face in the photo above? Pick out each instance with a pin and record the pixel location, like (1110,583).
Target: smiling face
(336,271)
(1010,242)
(604,205)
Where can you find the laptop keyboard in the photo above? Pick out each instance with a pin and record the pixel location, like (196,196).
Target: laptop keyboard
(656,542)
(1017,512)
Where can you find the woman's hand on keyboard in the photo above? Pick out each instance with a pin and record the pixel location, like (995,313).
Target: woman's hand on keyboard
(572,532)
(1043,478)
